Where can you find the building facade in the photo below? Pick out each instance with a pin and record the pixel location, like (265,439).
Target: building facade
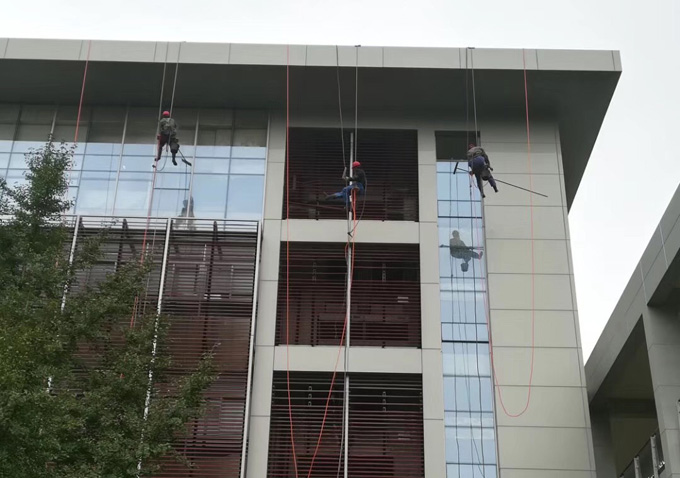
(451,364)
(632,373)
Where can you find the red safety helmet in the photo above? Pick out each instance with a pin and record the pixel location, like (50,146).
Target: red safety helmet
(166,114)
(356,164)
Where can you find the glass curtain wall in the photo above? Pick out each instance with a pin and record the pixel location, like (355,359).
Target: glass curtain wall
(112,173)
(468,386)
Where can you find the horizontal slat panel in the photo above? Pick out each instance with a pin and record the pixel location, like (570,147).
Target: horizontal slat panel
(385,426)
(208,297)
(385,295)
(389,158)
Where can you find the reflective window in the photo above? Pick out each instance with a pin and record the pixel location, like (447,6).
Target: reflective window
(112,171)
(468,386)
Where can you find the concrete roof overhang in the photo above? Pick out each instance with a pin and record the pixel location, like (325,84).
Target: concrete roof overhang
(573,87)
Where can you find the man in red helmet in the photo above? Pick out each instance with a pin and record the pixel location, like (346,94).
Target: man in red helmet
(167,134)
(357,181)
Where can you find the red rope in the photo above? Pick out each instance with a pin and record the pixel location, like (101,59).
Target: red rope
(82,91)
(342,339)
(290,405)
(533,292)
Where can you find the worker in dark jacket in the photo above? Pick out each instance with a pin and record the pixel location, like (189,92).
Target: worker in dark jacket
(480,167)
(167,134)
(459,250)
(358,181)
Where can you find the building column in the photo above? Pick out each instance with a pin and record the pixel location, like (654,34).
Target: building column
(662,331)
(265,334)
(602,443)
(432,375)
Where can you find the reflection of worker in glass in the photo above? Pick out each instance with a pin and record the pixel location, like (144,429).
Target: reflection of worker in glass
(460,251)
(187,211)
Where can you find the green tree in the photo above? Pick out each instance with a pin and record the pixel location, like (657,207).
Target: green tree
(74,376)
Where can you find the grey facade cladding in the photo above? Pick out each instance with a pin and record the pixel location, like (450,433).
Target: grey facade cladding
(643,332)
(552,439)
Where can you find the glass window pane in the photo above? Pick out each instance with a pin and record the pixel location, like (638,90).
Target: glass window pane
(137,163)
(95,196)
(245,197)
(133,196)
(4,160)
(210,194)
(250,137)
(167,202)
(100,163)
(18,161)
(211,165)
(247,166)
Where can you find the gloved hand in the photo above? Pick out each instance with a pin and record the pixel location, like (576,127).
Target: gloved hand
(490,168)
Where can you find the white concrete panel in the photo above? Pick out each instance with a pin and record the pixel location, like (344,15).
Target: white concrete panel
(514,130)
(121,51)
(514,291)
(273,207)
(651,252)
(544,448)
(214,53)
(174,51)
(617,60)
(433,385)
(655,274)
(303,230)
(514,222)
(322,55)
(276,147)
(427,147)
(41,49)
(427,193)
(271,249)
(365,56)
(161,52)
(512,328)
(512,158)
(664,363)
(552,367)
(306,358)
(521,473)
(263,369)
(258,447)
(670,440)
(429,253)
(430,316)
(545,184)
(434,438)
(501,59)
(576,60)
(411,57)
(335,230)
(662,326)
(266,313)
(560,407)
(515,256)
(385,360)
(3,46)
(252,54)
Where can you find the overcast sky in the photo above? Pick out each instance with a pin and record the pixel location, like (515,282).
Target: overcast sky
(635,166)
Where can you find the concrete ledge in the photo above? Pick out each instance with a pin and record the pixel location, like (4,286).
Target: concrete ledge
(315,55)
(304,358)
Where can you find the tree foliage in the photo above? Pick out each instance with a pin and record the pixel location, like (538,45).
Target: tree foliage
(74,376)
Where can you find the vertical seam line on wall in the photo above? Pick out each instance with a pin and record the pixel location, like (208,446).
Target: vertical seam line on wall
(644,288)
(663,245)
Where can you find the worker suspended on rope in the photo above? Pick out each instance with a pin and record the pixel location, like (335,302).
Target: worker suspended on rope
(357,181)
(480,167)
(167,135)
(459,250)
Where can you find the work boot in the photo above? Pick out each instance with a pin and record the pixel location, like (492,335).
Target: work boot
(174,162)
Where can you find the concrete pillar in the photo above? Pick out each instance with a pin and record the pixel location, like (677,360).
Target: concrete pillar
(662,331)
(602,443)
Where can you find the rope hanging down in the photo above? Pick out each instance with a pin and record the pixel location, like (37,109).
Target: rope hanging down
(349,248)
(533,295)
